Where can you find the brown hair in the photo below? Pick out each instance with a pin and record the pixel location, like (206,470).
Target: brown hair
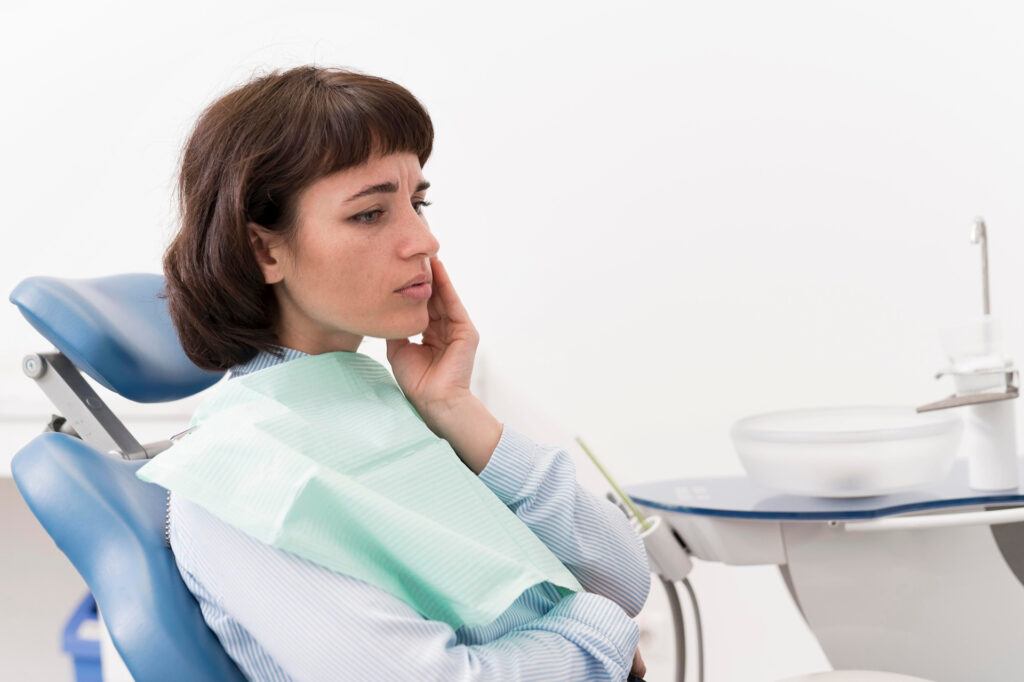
(249,157)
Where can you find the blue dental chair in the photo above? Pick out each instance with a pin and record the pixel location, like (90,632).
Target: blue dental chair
(78,477)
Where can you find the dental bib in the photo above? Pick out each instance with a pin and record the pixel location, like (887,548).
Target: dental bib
(323,456)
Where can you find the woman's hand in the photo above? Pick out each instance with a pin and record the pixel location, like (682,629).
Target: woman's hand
(435,374)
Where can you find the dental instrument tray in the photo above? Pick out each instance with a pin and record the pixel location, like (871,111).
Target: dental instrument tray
(740,497)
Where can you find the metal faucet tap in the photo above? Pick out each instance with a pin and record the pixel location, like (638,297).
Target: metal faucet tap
(989,415)
(979,235)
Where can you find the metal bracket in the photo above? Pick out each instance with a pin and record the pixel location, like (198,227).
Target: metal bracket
(84,411)
(1012,391)
(970,399)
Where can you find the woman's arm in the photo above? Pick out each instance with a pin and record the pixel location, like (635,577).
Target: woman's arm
(589,534)
(469,427)
(274,612)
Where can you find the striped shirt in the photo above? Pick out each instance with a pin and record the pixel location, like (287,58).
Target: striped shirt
(282,617)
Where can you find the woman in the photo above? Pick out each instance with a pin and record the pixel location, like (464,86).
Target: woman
(302,195)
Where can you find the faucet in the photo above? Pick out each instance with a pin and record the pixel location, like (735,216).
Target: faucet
(979,235)
(990,437)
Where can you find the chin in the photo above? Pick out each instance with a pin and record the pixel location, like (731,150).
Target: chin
(411,328)
(420,328)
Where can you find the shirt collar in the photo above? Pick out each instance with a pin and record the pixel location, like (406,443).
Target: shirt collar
(264,359)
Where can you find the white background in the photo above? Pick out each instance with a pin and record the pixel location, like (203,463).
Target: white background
(661,216)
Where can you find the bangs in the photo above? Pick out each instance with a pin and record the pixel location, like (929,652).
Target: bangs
(357,122)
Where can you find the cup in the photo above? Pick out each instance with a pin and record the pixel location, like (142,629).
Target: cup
(973,345)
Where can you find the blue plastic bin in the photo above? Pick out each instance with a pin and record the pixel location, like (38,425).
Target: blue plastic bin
(84,652)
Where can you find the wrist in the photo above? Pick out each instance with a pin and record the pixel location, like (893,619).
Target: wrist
(456,402)
(468,426)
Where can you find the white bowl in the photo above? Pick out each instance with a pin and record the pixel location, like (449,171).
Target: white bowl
(848,451)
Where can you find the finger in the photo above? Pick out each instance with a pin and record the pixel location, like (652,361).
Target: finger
(452,306)
(433,305)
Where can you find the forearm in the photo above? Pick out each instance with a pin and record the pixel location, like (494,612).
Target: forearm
(469,427)
(587,533)
(592,538)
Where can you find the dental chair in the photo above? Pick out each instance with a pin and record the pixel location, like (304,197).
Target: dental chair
(78,477)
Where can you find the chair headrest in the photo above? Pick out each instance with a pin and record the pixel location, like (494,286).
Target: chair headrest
(116,330)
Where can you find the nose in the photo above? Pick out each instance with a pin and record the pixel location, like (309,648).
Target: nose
(417,237)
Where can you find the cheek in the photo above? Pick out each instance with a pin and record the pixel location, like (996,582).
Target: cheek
(326,259)
(342,272)
(341,284)
(317,279)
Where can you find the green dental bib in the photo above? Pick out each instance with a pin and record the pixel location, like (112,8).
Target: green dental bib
(325,457)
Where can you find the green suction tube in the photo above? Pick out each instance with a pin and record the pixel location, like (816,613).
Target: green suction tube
(623,496)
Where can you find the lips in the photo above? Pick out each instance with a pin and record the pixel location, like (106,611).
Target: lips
(419,279)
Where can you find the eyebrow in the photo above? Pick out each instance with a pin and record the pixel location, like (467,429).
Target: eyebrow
(384,188)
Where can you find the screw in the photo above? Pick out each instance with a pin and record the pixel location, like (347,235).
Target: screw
(33,366)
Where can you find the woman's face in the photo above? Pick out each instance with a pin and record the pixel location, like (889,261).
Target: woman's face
(361,236)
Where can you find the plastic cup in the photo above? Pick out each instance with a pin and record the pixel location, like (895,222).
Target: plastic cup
(973,345)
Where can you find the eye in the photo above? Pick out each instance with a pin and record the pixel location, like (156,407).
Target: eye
(366,217)
(370,217)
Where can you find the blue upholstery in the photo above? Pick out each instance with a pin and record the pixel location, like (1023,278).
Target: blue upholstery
(116,330)
(110,524)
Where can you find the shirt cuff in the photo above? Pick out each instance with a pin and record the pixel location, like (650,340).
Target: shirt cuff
(510,464)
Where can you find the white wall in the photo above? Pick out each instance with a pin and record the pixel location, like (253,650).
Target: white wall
(662,216)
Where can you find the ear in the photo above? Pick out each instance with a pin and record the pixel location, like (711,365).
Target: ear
(268,251)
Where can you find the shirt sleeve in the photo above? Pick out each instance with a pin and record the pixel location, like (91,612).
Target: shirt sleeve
(294,616)
(589,534)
